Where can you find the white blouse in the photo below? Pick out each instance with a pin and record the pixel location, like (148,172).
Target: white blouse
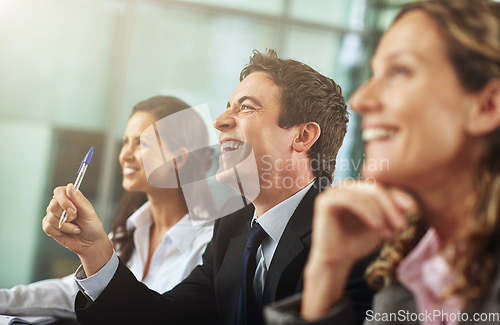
(176,256)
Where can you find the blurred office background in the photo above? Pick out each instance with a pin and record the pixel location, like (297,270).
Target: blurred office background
(71,71)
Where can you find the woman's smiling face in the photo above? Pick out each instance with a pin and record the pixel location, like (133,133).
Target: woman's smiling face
(134,176)
(413,107)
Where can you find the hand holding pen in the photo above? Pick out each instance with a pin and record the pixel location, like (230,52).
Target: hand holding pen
(81,172)
(85,235)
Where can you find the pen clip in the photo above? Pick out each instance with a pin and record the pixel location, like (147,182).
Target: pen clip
(81,165)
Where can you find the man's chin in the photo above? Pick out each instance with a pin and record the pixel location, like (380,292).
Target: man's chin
(239,171)
(224,176)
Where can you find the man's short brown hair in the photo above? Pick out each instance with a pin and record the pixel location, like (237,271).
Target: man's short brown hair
(307,96)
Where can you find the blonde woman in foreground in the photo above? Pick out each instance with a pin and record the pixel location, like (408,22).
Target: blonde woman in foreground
(432,110)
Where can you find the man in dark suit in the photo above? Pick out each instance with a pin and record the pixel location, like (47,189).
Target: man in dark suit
(293,120)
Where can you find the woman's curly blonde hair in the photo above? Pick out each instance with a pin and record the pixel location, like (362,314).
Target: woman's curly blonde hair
(471,30)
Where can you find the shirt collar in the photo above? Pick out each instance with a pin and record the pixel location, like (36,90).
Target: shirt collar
(426,273)
(275,219)
(141,217)
(181,234)
(184,232)
(409,270)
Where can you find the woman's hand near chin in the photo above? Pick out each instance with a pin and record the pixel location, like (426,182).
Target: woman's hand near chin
(350,221)
(82,233)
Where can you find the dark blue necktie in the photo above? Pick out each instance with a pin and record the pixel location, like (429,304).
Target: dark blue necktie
(248,312)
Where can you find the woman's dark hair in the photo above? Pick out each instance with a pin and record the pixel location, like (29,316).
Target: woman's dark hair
(193,131)
(122,239)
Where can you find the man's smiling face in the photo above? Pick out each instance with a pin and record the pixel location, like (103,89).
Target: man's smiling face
(250,122)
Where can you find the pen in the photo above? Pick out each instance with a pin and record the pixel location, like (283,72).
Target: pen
(81,172)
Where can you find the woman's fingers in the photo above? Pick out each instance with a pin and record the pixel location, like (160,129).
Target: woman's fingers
(368,202)
(343,229)
(350,221)
(403,201)
(336,203)
(357,215)
(394,203)
(394,217)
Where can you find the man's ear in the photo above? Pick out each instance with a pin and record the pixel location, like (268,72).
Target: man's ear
(181,157)
(308,133)
(484,117)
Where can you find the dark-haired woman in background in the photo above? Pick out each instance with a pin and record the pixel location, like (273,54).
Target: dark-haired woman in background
(153,232)
(432,110)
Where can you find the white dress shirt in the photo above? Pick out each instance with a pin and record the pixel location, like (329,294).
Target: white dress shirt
(173,260)
(273,222)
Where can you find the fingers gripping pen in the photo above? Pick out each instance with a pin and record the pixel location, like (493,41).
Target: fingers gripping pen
(81,172)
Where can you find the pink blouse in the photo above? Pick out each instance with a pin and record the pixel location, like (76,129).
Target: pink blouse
(427,275)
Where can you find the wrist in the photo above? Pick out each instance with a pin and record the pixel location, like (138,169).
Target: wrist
(324,286)
(95,257)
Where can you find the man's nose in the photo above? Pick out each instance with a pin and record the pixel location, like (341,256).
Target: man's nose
(225,121)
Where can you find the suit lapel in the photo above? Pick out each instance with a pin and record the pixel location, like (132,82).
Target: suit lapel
(230,271)
(289,257)
(283,276)
(228,278)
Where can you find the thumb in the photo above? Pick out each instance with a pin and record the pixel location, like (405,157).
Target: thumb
(83,206)
(403,200)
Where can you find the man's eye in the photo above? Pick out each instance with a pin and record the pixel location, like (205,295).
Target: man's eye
(245,107)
